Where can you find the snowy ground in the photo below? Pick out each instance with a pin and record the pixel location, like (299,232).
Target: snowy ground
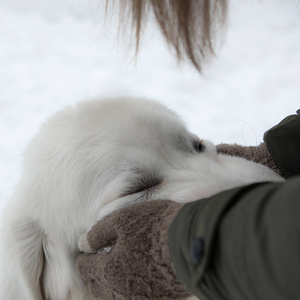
(56,52)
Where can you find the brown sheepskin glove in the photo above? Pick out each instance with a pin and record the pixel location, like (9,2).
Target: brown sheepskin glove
(136,265)
(258,154)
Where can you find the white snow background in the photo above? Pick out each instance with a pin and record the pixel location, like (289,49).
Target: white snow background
(55,53)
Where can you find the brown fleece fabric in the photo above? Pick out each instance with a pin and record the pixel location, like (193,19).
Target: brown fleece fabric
(142,228)
(258,154)
(138,265)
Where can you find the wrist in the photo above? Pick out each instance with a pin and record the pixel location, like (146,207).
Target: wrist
(167,218)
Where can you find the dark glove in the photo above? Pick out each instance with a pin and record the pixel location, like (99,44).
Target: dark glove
(283,142)
(137,264)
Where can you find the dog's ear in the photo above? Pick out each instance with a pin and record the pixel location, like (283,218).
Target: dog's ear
(28,240)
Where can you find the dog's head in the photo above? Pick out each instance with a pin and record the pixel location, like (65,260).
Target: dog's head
(102,155)
(99,156)
(138,150)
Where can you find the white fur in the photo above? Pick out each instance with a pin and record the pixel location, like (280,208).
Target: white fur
(76,171)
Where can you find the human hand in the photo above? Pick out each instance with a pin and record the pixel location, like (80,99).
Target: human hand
(258,154)
(136,263)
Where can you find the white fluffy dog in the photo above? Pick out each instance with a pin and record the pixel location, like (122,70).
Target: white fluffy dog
(89,160)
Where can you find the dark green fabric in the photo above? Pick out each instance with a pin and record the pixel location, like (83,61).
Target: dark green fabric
(251,234)
(252,243)
(283,143)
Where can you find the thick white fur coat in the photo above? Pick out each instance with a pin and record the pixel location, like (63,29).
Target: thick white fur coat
(89,160)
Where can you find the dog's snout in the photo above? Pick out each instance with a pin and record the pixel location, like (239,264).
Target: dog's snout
(209,147)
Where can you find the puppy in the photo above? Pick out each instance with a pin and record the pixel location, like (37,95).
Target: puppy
(88,161)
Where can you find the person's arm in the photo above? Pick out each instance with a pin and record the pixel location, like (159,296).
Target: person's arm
(242,244)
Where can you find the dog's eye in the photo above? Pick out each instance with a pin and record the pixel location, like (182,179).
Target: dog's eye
(142,184)
(198,145)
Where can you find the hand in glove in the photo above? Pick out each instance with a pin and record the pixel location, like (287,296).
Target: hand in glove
(258,154)
(138,264)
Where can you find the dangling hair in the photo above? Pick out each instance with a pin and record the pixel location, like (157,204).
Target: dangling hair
(189,26)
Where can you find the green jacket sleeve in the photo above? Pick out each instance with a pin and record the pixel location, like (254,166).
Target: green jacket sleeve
(283,143)
(247,241)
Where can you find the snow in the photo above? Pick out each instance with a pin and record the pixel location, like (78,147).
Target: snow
(57,52)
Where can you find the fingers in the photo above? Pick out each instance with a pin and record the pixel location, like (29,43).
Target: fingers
(101,235)
(84,264)
(94,269)
(91,266)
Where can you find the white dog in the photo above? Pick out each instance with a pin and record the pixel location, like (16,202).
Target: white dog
(89,160)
